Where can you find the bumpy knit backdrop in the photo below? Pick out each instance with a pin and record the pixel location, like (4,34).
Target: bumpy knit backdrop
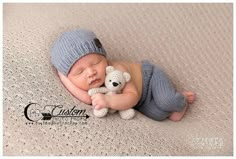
(191,42)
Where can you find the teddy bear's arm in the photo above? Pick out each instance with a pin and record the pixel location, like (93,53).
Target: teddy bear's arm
(103,90)
(93,91)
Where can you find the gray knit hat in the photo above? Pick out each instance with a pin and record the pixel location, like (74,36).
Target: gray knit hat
(73,45)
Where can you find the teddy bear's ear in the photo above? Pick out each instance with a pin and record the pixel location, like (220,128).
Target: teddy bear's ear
(126,76)
(109,69)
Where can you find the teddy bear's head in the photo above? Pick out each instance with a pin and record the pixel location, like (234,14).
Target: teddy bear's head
(115,80)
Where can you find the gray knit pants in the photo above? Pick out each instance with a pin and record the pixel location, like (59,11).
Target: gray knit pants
(159,97)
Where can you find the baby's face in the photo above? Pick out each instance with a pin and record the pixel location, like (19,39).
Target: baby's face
(89,71)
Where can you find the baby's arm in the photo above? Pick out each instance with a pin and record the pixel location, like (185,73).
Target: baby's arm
(127,99)
(80,94)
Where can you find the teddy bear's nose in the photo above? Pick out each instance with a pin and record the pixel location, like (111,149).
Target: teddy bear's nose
(114,84)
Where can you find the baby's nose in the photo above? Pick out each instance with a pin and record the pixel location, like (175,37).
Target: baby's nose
(91,72)
(114,84)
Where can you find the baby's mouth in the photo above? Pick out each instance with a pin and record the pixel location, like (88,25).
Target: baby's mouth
(95,81)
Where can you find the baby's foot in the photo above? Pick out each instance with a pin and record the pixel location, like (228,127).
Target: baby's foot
(190,96)
(177,116)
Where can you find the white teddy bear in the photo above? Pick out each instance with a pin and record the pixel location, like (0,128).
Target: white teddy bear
(114,82)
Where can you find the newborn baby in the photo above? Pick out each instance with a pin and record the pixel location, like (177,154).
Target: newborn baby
(80,60)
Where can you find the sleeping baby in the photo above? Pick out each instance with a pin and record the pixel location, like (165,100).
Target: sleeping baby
(81,62)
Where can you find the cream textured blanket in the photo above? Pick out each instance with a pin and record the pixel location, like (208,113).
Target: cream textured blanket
(191,42)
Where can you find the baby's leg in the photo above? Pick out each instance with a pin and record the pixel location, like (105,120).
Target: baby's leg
(151,110)
(164,94)
(177,116)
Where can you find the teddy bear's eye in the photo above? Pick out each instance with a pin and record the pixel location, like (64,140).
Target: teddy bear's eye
(109,80)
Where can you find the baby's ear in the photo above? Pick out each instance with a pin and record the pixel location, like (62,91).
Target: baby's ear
(126,76)
(109,69)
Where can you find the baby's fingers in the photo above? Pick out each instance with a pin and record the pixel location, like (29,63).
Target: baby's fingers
(93,97)
(97,107)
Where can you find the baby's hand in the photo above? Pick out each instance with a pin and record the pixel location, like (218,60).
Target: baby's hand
(99,101)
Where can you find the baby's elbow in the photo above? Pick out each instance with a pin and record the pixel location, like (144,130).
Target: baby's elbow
(135,99)
(132,100)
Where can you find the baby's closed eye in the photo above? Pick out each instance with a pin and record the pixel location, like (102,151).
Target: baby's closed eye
(79,71)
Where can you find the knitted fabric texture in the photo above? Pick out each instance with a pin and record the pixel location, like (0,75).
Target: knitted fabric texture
(73,45)
(192,42)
